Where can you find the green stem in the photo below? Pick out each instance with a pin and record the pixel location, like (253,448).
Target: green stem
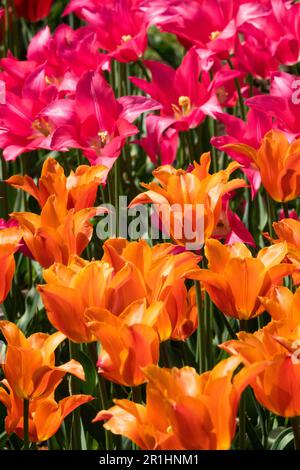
(296,431)
(270,209)
(238,89)
(164,355)
(201,333)
(76,420)
(144,70)
(101,392)
(26,423)
(242,407)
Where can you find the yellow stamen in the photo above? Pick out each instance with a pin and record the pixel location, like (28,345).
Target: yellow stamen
(103,137)
(214,35)
(126,37)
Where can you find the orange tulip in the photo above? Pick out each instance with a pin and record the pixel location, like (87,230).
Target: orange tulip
(159,274)
(234,279)
(288,230)
(278,163)
(45,415)
(128,272)
(277,348)
(78,190)
(29,365)
(56,234)
(9,241)
(128,342)
(178,188)
(184,410)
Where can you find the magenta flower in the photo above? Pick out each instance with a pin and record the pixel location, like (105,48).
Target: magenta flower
(121,28)
(98,123)
(185,98)
(160,144)
(282,103)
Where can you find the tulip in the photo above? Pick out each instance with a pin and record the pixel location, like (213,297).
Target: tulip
(29,364)
(184,410)
(178,188)
(185,99)
(277,161)
(33,10)
(79,189)
(9,243)
(235,280)
(128,272)
(277,347)
(56,234)
(128,342)
(45,415)
(288,230)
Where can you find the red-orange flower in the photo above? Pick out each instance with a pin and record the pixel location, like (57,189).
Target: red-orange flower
(179,188)
(234,279)
(183,410)
(57,233)
(9,241)
(278,163)
(277,346)
(29,365)
(78,190)
(45,415)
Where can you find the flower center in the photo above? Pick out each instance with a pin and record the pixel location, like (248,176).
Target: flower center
(126,37)
(183,108)
(42,127)
(103,135)
(214,35)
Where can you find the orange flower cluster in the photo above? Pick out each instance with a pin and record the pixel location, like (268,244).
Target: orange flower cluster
(31,374)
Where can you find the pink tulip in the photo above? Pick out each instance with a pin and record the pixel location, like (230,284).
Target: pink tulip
(98,123)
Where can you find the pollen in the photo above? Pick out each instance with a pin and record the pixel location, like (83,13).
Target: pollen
(214,35)
(103,137)
(126,37)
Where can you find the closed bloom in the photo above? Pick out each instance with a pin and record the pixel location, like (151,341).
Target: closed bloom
(78,190)
(278,163)
(9,243)
(57,233)
(176,189)
(183,411)
(234,279)
(276,347)
(45,415)
(128,342)
(29,364)
(34,10)
(128,272)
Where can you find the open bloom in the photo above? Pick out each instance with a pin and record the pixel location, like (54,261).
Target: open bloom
(128,272)
(45,415)
(235,280)
(277,347)
(29,364)
(120,26)
(288,230)
(183,410)
(251,133)
(98,124)
(179,193)
(128,342)
(9,243)
(78,190)
(185,99)
(57,233)
(277,161)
